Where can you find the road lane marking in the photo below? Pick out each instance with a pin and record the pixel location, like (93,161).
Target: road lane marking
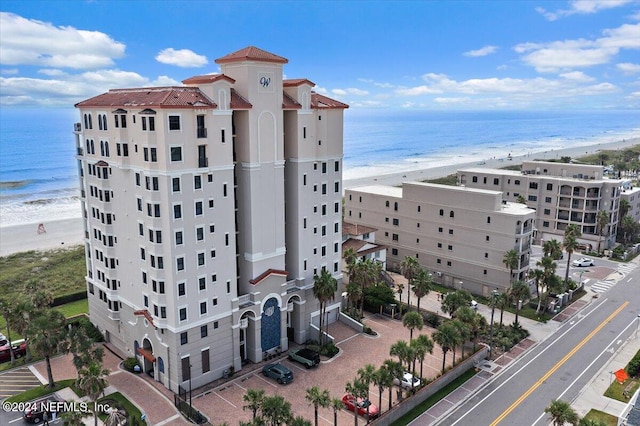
(558,365)
(512,365)
(589,366)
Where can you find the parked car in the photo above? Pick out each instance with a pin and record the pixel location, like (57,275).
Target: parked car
(361,405)
(35,412)
(584,261)
(307,357)
(279,372)
(19,350)
(409,381)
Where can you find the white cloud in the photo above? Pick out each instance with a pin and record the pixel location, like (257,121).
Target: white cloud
(377,84)
(634,94)
(182,58)
(339,92)
(628,68)
(582,7)
(578,76)
(450,101)
(570,54)
(32,42)
(417,91)
(483,51)
(52,72)
(9,71)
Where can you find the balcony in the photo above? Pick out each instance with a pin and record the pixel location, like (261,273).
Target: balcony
(244,323)
(77,127)
(203,162)
(201,132)
(114,315)
(79,151)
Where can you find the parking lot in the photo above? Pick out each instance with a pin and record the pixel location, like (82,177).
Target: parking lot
(225,403)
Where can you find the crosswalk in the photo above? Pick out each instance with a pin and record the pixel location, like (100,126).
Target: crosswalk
(625,268)
(601,286)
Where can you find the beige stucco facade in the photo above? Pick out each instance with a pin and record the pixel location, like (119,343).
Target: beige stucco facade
(208,210)
(459,234)
(561,194)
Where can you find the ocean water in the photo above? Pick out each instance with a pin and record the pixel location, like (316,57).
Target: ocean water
(38,170)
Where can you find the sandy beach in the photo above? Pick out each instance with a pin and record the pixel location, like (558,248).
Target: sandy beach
(69,232)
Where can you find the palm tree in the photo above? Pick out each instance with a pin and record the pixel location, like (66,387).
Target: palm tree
(350,258)
(254,399)
(452,301)
(395,371)
(511,260)
(318,398)
(354,293)
(561,413)
(412,320)
(299,421)
(324,289)
(366,375)
(474,321)
(358,390)
(92,381)
(401,350)
(446,337)
(602,221)
(571,235)
(421,285)
(400,290)
(45,332)
(519,292)
(409,267)
(422,345)
(276,410)
(7,313)
(624,207)
(81,346)
(21,318)
(115,418)
(501,302)
(336,405)
(383,379)
(365,273)
(463,336)
(552,248)
(74,417)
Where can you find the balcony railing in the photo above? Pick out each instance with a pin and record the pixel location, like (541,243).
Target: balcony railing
(77,127)
(80,151)
(202,132)
(203,162)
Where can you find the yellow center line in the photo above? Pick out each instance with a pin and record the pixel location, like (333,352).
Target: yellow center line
(557,366)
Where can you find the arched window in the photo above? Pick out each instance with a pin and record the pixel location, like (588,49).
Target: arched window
(106,148)
(88,146)
(104,122)
(451,214)
(93,148)
(86,122)
(101,142)
(90,122)
(441,212)
(99,122)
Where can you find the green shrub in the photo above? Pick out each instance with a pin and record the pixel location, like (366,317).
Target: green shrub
(71,297)
(633,368)
(130,363)
(91,330)
(432,319)
(329,350)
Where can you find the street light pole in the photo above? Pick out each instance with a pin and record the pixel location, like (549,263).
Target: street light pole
(494,294)
(190,406)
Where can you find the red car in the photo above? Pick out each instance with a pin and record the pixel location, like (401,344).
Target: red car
(362,404)
(19,350)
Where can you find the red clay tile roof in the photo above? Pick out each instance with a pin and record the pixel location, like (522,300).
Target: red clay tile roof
(289,103)
(295,82)
(145,314)
(238,102)
(207,78)
(266,273)
(251,53)
(156,97)
(319,101)
(355,229)
(102,163)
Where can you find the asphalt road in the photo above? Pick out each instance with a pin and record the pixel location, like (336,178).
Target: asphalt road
(558,367)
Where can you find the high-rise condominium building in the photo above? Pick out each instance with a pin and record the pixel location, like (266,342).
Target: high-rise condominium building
(461,235)
(209,208)
(561,193)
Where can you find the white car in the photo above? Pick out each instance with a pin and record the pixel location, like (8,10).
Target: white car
(409,381)
(582,262)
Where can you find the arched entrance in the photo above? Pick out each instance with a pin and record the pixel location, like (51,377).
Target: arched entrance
(293,312)
(270,325)
(148,359)
(244,334)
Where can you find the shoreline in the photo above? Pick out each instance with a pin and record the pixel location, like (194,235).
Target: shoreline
(69,232)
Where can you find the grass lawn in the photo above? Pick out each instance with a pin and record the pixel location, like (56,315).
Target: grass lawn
(431,401)
(601,417)
(616,390)
(40,391)
(73,309)
(118,400)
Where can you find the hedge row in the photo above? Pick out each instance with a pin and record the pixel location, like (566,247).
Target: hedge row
(71,297)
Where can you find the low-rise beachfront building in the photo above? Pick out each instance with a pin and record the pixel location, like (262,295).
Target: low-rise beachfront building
(632,195)
(362,240)
(209,208)
(459,234)
(561,194)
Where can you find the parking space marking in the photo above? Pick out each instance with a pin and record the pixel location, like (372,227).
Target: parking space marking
(225,400)
(265,380)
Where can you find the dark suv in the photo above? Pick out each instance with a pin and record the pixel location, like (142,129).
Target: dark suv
(304,356)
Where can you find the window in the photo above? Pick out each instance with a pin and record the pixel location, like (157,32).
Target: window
(197,182)
(336,166)
(441,212)
(183,314)
(484,180)
(200,259)
(203,308)
(533,185)
(439,245)
(450,247)
(549,187)
(394,237)
(177,211)
(440,229)
(175,184)
(154,154)
(547,212)
(451,214)
(178,238)
(474,179)
(517,182)
(176,153)
(163,311)
(184,340)
(394,252)
(205,361)
(180,263)
(174,122)
(450,231)
(204,331)
(496,181)
(532,198)
(545,224)
(186,368)
(199,233)
(547,199)
(487,238)
(396,221)
(324,168)
(202,283)
(198,208)
(142,253)
(181,289)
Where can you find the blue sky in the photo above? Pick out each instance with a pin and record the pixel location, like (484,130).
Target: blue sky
(436,55)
